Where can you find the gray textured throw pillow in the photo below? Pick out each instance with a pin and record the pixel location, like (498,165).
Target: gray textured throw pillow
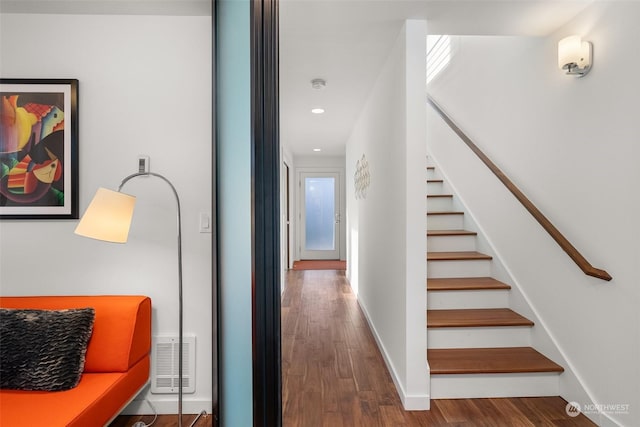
(43,349)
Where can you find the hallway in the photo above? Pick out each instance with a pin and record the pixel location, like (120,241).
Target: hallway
(334,375)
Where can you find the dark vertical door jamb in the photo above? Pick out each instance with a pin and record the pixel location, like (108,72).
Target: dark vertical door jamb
(267,396)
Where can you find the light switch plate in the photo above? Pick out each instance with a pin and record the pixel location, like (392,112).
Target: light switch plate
(205,222)
(143,164)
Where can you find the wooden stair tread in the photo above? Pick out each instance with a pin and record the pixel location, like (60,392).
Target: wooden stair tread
(476,317)
(457,256)
(451,233)
(465,284)
(439,196)
(445,213)
(489,361)
(435,181)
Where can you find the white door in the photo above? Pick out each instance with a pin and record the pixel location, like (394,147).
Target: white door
(320,215)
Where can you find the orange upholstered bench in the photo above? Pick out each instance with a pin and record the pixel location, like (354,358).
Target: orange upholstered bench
(116,364)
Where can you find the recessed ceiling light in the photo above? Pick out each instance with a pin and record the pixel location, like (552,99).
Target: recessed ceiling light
(317,110)
(317,149)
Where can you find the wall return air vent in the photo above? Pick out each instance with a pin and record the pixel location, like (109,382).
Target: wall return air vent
(164,365)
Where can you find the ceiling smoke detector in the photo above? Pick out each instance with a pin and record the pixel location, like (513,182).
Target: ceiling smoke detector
(318,83)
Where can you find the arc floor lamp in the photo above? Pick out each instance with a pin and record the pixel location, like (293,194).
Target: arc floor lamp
(108,218)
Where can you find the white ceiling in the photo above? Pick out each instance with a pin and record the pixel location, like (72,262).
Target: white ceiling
(344,42)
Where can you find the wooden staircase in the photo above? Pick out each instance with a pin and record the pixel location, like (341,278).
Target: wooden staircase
(477,346)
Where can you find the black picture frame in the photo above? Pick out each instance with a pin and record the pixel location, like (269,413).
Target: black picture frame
(39,177)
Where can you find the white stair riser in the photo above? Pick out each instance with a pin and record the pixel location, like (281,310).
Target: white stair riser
(513,336)
(476,386)
(432,174)
(445,222)
(434,187)
(442,300)
(451,243)
(439,204)
(441,269)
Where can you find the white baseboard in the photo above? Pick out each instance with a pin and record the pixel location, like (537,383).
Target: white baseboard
(416,403)
(167,406)
(409,402)
(605,421)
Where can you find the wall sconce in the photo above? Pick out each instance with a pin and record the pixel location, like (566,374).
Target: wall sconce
(575,56)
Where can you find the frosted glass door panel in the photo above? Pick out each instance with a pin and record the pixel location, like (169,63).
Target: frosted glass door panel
(320,215)
(320,208)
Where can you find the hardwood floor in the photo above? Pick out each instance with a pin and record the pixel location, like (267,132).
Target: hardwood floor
(334,375)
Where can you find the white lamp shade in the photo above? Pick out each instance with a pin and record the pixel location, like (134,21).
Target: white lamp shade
(108,216)
(572,50)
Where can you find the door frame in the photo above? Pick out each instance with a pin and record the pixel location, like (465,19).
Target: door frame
(299,201)
(287,223)
(265,207)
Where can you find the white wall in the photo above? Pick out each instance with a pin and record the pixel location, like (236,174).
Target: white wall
(387,229)
(145,88)
(572,146)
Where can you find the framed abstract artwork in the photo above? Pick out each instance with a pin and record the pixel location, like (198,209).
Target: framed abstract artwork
(39,149)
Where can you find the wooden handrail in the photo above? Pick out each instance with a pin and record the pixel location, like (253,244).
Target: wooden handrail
(573,253)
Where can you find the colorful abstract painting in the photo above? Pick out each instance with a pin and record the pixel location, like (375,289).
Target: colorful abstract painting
(38,149)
